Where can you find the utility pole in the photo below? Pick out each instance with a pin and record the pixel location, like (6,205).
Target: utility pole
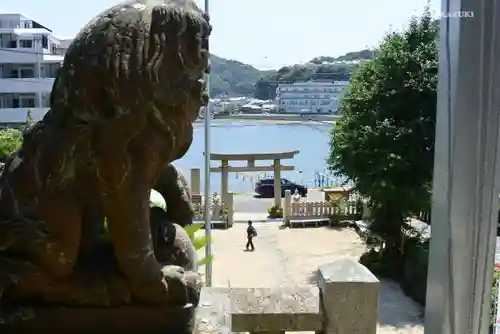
(39,54)
(206,202)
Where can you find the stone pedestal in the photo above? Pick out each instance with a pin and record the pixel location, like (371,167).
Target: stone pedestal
(350,298)
(133,319)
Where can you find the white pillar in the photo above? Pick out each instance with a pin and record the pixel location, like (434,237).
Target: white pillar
(466,183)
(287,207)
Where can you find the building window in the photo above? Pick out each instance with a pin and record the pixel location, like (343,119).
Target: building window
(26,73)
(26,43)
(45,42)
(325,102)
(28,103)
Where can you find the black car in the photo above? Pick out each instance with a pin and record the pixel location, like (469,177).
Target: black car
(265,187)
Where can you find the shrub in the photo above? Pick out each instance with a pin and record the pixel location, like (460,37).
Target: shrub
(494,296)
(10,141)
(378,263)
(275,212)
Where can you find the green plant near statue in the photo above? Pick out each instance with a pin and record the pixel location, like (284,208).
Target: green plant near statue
(275,211)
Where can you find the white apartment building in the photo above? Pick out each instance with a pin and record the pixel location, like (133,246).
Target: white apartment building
(30,56)
(310,97)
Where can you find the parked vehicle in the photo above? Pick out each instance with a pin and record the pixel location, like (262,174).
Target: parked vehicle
(265,187)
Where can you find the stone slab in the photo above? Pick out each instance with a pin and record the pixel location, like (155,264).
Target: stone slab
(275,309)
(213,315)
(347,270)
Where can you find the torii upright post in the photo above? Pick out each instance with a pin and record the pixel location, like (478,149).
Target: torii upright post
(277,182)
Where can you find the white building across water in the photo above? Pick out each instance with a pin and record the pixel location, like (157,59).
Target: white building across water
(30,56)
(310,97)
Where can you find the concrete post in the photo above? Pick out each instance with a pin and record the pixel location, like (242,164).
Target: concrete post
(224,180)
(366,214)
(466,170)
(195,180)
(229,205)
(350,298)
(287,207)
(277,182)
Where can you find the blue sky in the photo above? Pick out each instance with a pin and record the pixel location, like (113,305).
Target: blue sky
(263,33)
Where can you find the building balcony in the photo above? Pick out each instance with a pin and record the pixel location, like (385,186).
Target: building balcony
(25,85)
(19,115)
(27,56)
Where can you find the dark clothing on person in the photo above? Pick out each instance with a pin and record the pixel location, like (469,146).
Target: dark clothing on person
(251,233)
(250,245)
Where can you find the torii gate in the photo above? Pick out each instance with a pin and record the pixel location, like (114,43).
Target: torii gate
(276,168)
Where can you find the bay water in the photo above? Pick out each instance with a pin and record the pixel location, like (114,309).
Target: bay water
(311,139)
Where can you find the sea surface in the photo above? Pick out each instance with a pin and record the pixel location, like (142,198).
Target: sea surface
(311,139)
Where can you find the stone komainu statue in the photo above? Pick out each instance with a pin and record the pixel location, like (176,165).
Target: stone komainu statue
(123,105)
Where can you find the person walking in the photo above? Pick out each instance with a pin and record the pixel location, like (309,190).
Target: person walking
(251,233)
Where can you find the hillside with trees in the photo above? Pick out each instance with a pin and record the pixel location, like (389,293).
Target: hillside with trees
(319,68)
(234,78)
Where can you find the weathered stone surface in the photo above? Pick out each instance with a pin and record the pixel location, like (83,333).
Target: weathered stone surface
(123,105)
(123,320)
(350,295)
(172,185)
(275,309)
(213,315)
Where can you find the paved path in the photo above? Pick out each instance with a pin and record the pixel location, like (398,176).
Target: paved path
(292,256)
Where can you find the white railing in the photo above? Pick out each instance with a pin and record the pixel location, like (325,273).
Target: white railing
(321,210)
(219,212)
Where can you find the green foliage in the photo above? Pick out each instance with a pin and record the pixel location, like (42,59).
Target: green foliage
(384,141)
(379,264)
(350,56)
(494,296)
(232,78)
(10,141)
(275,212)
(198,242)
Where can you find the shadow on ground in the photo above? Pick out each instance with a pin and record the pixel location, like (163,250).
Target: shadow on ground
(396,309)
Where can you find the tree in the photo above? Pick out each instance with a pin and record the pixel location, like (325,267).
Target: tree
(384,141)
